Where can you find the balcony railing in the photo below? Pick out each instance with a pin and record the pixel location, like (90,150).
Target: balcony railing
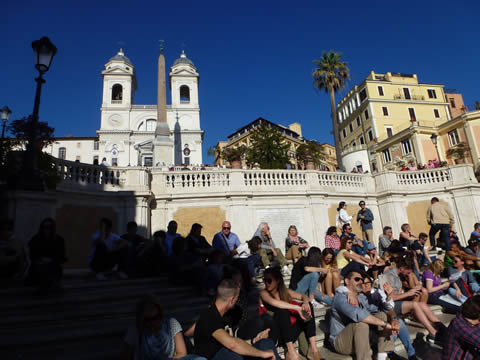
(412,97)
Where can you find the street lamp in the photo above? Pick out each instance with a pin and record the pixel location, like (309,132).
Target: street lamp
(434,139)
(5,113)
(44,53)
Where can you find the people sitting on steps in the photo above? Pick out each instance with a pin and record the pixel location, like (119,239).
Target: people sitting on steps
(269,252)
(359,245)
(347,260)
(108,252)
(295,245)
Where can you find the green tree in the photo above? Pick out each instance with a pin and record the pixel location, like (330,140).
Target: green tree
(331,74)
(268,148)
(311,151)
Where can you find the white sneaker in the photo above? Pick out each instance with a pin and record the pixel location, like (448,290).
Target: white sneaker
(316,304)
(101,276)
(122,275)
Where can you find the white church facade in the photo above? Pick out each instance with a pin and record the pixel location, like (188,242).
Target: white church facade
(127,131)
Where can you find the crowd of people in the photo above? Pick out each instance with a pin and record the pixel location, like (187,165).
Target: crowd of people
(368,294)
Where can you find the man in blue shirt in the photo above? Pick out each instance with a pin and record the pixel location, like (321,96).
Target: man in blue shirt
(349,324)
(171,235)
(365,218)
(476,232)
(359,246)
(225,240)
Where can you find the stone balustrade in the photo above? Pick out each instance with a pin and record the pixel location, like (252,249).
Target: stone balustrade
(228,180)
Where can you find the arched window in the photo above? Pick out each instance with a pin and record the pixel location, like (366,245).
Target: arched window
(184,94)
(151,124)
(62,153)
(117,94)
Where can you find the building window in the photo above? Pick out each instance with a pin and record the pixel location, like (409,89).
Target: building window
(406,147)
(370,135)
(358,121)
(344,133)
(96,145)
(95,160)
(184,94)
(380,90)
(374,166)
(151,124)
(117,94)
(386,156)
(366,114)
(354,144)
(436,113)
(361,140)
(114,161)
(79,145)
(186,160)
(148,161)
(350,126)
(389,131)
(363,95)
(62,153)
(452,103)
(432,94)
(411,112)
(385,110)
(406,93)
(453,137)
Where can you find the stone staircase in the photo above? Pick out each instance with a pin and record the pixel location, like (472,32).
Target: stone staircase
(89,319)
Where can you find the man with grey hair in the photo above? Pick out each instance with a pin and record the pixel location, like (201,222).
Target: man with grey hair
(269,252)
(214,340)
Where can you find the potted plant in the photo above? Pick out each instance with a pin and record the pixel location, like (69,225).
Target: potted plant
(234,155)
(309,155)
(457,152)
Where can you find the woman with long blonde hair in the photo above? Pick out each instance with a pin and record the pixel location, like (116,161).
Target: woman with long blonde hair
(432,281)
(295,245)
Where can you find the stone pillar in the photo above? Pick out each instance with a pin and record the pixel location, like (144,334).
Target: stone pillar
(162,144)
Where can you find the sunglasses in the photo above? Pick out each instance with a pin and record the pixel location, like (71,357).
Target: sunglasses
(267,280)
(349,242)
(225,228)
(357,279)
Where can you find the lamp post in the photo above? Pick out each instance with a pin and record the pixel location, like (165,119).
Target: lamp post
(44,53)
(434,139)
(5,113)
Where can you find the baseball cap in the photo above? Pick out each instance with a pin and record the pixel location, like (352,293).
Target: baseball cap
(371,247)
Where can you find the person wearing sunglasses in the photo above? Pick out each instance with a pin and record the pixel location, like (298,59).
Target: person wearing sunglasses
(464,284)
(359,245)
(381,300)
(291,312)
(225,240)
(347,260)
(365,218)
(349,324)
(155,336)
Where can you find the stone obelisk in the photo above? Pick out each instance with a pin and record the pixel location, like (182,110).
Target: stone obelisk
(162,144)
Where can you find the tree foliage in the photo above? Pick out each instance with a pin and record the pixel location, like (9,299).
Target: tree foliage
(268,148)
(310,151)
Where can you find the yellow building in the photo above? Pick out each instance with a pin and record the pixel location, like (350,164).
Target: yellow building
(292,134)
(388,120)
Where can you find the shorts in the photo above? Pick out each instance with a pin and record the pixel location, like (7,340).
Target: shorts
(398,307)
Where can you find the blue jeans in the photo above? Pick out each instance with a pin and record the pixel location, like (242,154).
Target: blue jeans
(359,250)
(265,344)
(308,285)
(444,234)
(405,338)
(453,292)
(192,357)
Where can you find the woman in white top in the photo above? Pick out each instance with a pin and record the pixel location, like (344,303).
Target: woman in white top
(342,215)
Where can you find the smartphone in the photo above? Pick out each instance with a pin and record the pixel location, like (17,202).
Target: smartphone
(305,315)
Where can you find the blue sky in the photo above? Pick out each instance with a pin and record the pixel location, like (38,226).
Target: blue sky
(254,58)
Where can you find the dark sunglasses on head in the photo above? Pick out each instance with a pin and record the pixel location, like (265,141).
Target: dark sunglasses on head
(267,280)
(357,279)
(225,228)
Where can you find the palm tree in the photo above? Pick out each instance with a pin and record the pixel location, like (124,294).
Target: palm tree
(331,75)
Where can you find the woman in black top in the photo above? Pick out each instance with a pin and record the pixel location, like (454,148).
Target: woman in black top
(291,317)
(47,254)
